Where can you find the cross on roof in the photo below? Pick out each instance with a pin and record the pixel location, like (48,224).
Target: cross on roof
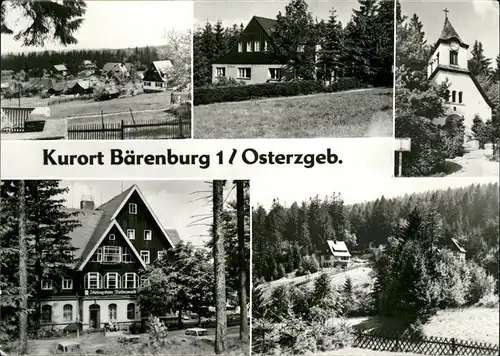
(446,12)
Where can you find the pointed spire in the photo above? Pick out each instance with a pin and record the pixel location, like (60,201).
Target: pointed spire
(448,30)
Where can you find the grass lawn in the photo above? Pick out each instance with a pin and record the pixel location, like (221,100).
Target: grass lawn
(354,351)
(345,114)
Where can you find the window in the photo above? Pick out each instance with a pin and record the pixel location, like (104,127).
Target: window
(447,95)
(143,281)
(249,46)
(131,234)
(132,208)
(68,253)
(112,280)
(46,314)
(453,58)
(148,235)
(460,97)
(111,236)
(156,85)
(220,72)
(130,280)
(67,283)
(301,48)
(126,256)
(111,254)
(145,256)
(256,46)
(240,46)
(97,257)
(244,73)
(112,312)
(146,84)
(453,96)
(275,73)
(46,284)
(344,258)
(437,58)
(92,280)
(161,254)
(68,312)
(327,257)
(266,46)
(131,311)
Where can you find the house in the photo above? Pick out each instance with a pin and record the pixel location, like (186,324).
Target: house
(455,248)
(337,254)
(249,59)
(466,98)
(88,65)
(4,87)
(82,87)
(60,69)
(155,78)
(114,69)
(113,243)
(40,84)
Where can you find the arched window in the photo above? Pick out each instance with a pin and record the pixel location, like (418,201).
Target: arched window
(453,96)
(92,281)
(130,281)
(112,312)
(68,312)
(46,314)
(112,280)
(460,97)
(131,311)
(447,95)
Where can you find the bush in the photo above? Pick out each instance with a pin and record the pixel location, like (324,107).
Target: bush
(219,93)
(453,133)
(488,301)
(481,284)
(310,264)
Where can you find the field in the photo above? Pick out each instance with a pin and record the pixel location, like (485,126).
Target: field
(357,113)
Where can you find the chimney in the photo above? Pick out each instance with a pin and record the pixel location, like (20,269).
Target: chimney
(87,202)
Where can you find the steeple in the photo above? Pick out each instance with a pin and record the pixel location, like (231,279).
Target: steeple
(449,32)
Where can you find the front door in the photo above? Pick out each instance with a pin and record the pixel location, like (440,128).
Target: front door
(94,316)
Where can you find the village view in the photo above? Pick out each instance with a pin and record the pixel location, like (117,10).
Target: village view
(139,268)
(136,92)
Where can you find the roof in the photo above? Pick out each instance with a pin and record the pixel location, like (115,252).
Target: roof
(112,66)
(173,235)
(87,62)
(338,248)
(457,245)
(454,69)
(81,235)
(60,67)
(162,66)
(449,33)
(266,23)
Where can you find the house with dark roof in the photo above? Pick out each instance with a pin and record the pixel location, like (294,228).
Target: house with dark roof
(155,78)
(335,254)
(112,244)
(115,69)
(465,97)
(249,59)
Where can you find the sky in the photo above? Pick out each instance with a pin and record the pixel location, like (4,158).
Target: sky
(472,19)
(241,11)
(352,189)
(115,24)
(176,203)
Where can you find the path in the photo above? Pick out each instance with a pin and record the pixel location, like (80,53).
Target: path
(381,125)
(109,114)
(472,164)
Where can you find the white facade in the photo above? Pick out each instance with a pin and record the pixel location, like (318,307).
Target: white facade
(248,73)
(148,86)
(57,309)
(107,312)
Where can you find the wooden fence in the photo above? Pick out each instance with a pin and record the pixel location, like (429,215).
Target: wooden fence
(152,129)
(17,117)
(427,345)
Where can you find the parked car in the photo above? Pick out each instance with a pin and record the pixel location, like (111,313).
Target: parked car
(197,332)
(129,339)
(69,347)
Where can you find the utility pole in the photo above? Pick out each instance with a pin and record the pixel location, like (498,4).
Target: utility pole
(23,272)
(401,145)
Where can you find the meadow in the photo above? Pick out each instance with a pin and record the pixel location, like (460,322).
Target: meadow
(357,113)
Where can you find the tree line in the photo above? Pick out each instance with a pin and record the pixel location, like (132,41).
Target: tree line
(285,237)
(418,101)
(363,48)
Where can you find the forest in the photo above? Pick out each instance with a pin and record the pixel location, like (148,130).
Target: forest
(284,237)
(362,48)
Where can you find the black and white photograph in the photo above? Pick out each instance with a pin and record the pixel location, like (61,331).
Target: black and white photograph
(124,267)
(96,70)
(293,69)
(447,89)
(375,267)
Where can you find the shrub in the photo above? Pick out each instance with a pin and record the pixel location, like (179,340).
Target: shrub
(488,301)
(481,284)
(310,264)
(453,133)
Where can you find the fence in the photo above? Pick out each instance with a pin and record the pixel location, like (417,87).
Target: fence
(152,129)
(427,345)
(17,117)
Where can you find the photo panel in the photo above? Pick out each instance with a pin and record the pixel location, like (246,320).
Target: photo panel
(293,69)
(98,70)
(447,80)
(343,271)
(103,265)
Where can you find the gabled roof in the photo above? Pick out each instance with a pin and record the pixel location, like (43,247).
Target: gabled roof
(87,62)
(81,235)
(112,66)
(457,245)
(448,34)
(338,248)
(162,67)
(173,235)
(266,23)
(60,67)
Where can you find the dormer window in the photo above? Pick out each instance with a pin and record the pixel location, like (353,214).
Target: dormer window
(256,46)
(249,46)
(132,208)
(240,46)
(453,58)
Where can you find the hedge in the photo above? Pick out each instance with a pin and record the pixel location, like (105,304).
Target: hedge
(217,94)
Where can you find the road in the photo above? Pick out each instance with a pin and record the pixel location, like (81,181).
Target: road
(472,164)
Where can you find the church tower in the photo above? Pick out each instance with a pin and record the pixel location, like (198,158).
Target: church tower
(448,61)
